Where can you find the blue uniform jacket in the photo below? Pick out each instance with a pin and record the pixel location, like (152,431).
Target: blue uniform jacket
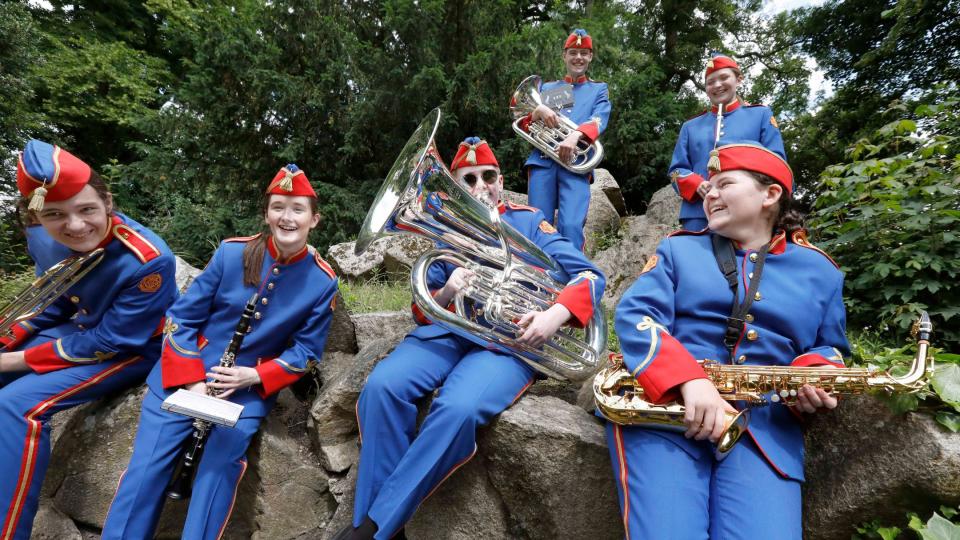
(688,167)
(288,330)
(116,310)
(585,282)
(676,311)
(590,111)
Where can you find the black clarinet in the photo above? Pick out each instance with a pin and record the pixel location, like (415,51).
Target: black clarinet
(181,484)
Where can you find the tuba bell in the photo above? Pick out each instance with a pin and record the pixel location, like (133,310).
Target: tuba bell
(44,290)
(512,274)
(620,399)
(525,99)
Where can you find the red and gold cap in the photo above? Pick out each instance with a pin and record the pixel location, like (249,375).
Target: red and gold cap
(719,61)
(752,157)
(290,180)
(49,173)
(578,39)
(473,151)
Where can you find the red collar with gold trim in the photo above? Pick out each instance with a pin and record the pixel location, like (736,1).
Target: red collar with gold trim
(727,109)
(275,253)
(579,80)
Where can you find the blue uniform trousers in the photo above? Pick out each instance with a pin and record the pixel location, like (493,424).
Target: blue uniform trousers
(668,494)
(555,189)
(27,402)
(399,468)
(158,446)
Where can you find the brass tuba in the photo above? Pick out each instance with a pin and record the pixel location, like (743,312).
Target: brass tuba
(512,275)
(44,290)
(525,99)
(620,399)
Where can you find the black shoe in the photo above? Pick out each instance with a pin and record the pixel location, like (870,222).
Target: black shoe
(365,531)
(400,535)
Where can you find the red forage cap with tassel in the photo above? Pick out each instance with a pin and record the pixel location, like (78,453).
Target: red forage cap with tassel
(578,39)
(473,151)
(290,180)
(748,156)
(719,61)
(49,173)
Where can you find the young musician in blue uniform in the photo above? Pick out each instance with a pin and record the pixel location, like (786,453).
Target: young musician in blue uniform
(288,331)
(101,336)
(550,187)
(741,122)
(670,484)
(398,469)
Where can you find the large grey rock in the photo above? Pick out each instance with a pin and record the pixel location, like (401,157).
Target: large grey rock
(343,489)
(465,507)
(603,220)
(864,462)
(185,274)
(52,524)
(342,336)
(549,462)
(604,181)
(389,325)
(664,208)
(291,482)
(623,261)
(351,266)
(333,418)
(402,251)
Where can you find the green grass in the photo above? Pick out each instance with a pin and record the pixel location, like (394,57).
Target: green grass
(12,283)
(375,295)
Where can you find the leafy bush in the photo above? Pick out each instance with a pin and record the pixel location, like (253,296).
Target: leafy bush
(938,527)
(890,217)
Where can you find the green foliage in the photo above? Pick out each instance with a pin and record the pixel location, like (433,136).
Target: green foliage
(942,525)
(889,215)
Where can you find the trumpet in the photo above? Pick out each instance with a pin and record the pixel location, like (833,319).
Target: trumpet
(420,196)
(526,98)
(620,399)
(44,290)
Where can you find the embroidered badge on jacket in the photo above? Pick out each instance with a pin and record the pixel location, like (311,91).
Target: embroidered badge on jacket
(151,283)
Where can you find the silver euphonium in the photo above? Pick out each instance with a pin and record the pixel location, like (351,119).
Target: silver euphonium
(512,275)
(525,99)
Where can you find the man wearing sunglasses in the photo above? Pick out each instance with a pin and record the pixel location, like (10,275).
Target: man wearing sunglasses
(398,470)
(550,187)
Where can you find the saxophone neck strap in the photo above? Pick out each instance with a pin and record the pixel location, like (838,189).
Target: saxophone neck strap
(727,262)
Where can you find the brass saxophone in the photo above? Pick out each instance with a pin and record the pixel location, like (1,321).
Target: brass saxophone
(620,399)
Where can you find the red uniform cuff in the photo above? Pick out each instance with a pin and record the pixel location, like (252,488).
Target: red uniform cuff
(178,370)
(44,358)
(577,299)
(274,378)
(673,366)
(590,131)
(525,122)
(687,186)
(814,359)
(19,334)
(418,315)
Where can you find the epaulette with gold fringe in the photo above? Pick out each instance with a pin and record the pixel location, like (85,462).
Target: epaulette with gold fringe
(799,238)
(140,246)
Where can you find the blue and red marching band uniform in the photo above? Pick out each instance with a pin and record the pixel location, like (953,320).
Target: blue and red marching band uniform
(675,314)
(398,470)
(741,122)
(552,188)
(100,337)
(288,331)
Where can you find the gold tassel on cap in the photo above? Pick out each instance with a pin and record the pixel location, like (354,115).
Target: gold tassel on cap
(37,199)
(714,163)
(472,155)
(286,183)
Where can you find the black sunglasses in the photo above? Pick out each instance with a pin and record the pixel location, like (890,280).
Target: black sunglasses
(489,176)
